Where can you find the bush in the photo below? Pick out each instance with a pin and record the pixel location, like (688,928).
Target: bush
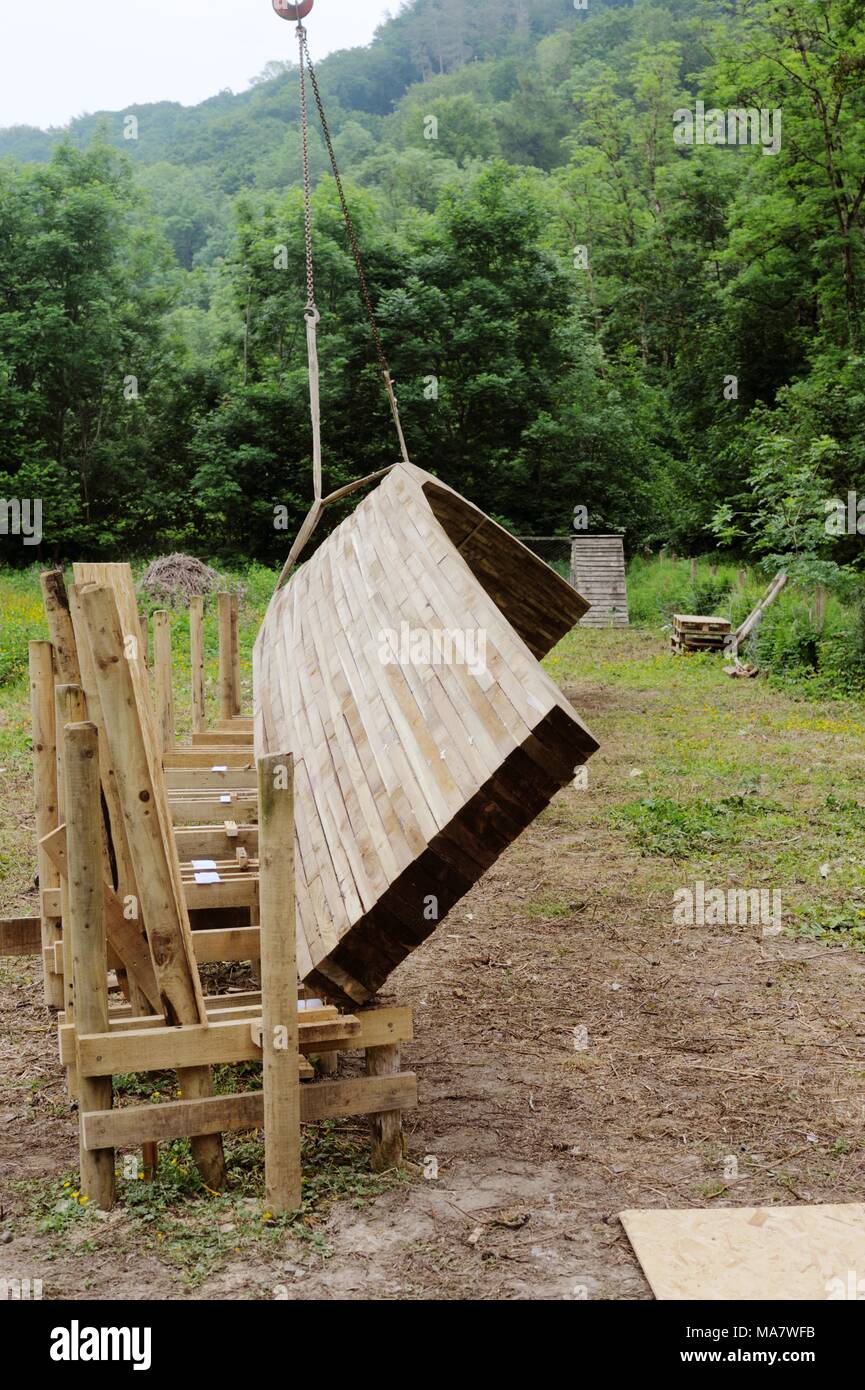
(789,644)
(787,640)
(659,588)
(656,590)
(709,593)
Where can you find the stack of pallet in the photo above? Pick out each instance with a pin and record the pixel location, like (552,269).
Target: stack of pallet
(693,632)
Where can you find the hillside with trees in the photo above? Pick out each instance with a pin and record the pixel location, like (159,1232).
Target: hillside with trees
(577,308)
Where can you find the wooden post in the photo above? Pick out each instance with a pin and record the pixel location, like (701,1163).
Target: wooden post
(71,708)
(226,659)
(279,1037)
(747,627)
(84,926)
(162,668)
(329,1063)
(819,607)
(196,653)
(388,1145)
(45,786)
(60,628)
(142,623)
(693,567)
(235,655)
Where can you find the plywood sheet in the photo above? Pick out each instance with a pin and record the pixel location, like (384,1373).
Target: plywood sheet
(752,1253)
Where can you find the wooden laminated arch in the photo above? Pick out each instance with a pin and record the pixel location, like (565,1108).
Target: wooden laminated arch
(411,775)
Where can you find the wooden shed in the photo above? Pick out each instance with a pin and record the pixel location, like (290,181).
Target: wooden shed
(400,666)
(598,573)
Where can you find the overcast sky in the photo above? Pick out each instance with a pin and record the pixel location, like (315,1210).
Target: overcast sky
(61,58)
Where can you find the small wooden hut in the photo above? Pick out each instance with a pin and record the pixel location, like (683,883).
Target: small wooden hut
(598,573)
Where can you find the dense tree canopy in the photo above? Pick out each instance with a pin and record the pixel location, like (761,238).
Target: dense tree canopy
(580,308)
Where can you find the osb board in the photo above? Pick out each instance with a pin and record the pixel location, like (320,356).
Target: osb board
(413,772)
(750,1253)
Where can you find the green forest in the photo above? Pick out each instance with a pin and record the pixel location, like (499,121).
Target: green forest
(579,308)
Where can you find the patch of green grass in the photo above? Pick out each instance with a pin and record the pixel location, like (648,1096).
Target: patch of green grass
(844,925)
(195,1231)
(198,1231)
(679,829)
(547,905)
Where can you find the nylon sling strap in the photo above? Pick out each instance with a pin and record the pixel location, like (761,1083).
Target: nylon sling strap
(312,316)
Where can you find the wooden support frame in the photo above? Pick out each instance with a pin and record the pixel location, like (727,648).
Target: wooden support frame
(128,728)
(209,779)
(386,1133)
(216,841)
(56,600)
(177,1119)
(203,759)
(100,727)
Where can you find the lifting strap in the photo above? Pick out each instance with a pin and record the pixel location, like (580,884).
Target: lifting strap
(306,63)
(312,316)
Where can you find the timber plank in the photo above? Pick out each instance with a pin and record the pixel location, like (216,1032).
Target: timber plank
(135,1125)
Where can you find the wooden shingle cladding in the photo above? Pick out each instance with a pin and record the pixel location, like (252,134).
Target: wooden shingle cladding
(412,772)
(598,573)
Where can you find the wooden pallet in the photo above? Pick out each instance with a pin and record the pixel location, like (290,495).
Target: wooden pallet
(696,632)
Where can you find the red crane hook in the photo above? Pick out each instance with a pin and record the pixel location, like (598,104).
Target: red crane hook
(287,11)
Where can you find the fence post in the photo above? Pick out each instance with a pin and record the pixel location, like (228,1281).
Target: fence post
(84,926)
(235,654)
(279,1032)
(226,659)
(162,667)
(70,708)
(196,657)
(60,628)
(388,1145)
(47,817)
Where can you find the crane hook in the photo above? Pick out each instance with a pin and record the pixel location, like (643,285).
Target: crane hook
(287,11)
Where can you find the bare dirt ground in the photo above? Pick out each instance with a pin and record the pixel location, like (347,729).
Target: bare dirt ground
(700,1044)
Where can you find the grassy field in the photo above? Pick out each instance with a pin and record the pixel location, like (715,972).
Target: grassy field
(739,784)
(778,795)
